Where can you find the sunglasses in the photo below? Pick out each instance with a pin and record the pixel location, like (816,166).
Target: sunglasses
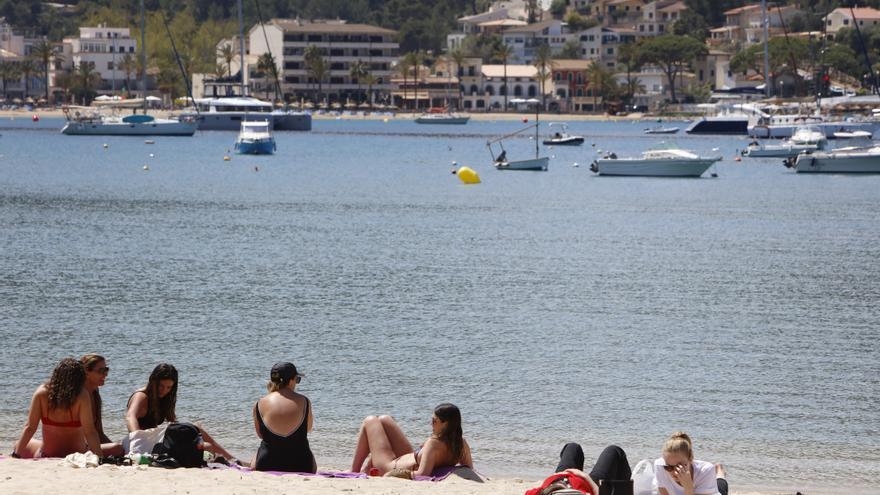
(299,378)
(103,370)
(670,468)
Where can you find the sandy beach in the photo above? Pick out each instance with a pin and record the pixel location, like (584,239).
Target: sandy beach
(47,476)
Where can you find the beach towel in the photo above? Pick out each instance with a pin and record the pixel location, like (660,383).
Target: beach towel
(143,441)
(80,460)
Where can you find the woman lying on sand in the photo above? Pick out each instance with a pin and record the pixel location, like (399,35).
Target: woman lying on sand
(382,447)
(154,404)
(64,407)
(611,465)
(677,473)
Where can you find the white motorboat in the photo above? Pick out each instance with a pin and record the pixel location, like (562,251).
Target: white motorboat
(805,139)
(255,138)
(853,160)
(785,125)
(500,161)
(442,118)
(563,138)
(853,135)
(658,162)
(661,130)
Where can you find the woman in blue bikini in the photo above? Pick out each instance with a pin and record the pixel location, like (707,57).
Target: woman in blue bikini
(382,447)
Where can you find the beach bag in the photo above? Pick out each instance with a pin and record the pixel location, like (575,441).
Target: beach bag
(183,443)
(643,478)
(143,441)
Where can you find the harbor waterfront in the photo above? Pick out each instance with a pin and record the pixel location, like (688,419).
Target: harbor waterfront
(550,307)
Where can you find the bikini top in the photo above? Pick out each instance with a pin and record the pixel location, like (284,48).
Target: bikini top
(62,424)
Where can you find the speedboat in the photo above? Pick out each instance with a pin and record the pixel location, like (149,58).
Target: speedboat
(805,139)
(784,126)
(563,138)
(658,162)
(255,138)
(852,160)
(661,130)
(442,118)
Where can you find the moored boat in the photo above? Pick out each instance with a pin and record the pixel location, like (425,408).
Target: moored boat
(255,138)
(658,162)
(442,118)
(563,138)
(805,139)
(853,160)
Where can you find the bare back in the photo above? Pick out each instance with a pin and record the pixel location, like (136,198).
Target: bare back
(63,433)
(283,412)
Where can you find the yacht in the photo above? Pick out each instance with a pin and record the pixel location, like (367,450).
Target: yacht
(851,160)
(728,120)
(85,121)
(805,139)
(658,162)
(442,118)
(227,114)
(785,125)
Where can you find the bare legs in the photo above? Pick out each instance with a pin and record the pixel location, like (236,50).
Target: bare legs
(212,446)
(380,442)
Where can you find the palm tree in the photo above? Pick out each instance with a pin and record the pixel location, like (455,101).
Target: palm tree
(503,53)
(227,53)
(128,64)
(358,71)
(65,81)
(45,54)
(414,61)
(601,81)
(316,65)
(370,79)
(544,63)
(27,68)
(8,72)
(266,66)
(628,55)
(458,57)
(403,66)
(86,80)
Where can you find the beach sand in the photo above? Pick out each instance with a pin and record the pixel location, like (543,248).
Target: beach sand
(50,476)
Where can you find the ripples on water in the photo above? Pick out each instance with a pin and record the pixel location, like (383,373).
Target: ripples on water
(549,306)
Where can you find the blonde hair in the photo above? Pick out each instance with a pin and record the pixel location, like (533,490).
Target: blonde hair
(679,443)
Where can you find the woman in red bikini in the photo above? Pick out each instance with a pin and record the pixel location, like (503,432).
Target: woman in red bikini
(382,447)
(64,408)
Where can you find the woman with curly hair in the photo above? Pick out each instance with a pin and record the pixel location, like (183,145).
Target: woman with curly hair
(64,408)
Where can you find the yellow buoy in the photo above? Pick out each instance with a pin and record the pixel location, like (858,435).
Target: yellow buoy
(226,158)
(468,175)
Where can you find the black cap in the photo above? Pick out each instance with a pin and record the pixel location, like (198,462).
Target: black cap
(283,372)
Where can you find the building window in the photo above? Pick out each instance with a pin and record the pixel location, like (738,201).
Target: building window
(846,22)
(532,90)
(110,65)
(517,90)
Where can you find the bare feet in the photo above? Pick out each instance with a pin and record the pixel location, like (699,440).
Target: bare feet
(720,472)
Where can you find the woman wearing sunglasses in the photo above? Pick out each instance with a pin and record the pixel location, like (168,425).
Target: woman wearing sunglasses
(96,373)
(677,473)
(383,448)
(64,408)
(283,419)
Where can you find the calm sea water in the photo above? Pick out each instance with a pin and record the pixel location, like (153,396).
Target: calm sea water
(550,307)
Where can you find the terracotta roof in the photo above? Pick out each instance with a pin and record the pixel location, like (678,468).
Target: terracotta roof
(503,22)
(535,27)
(744,8)
(571,64)
(860,12)
(298,26)
(673,7)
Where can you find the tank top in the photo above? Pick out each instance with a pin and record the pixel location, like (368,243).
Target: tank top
(146,422)
(289,453)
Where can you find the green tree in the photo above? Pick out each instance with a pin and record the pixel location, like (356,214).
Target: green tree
(44,53)
(571,50)
(692,24)
(317,67)
(370,80)
(458,57)
(129,66)
(403,66)
(601,81)
(628,56)
(27,67)
(8,72)
(227,53)
(577,23)
(672,54)
(504,54)
(358,72)
(544,63)
(414,62)
(558,8)
(86,79)
(267,67)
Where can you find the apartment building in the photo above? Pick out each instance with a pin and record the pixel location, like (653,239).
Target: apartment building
(658,17)
(103,48)
(341,43)
(837,19)
(743,25)
(16,49)
(524,40)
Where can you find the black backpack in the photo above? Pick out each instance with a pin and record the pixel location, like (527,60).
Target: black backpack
(183,444)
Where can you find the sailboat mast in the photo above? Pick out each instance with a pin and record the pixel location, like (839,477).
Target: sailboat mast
(240,44)
(765,20)
(537,125)
(143,56)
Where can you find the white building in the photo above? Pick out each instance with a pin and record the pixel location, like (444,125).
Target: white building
(865,17)
(342,45)
(16,49)
(103,48)
(525,40)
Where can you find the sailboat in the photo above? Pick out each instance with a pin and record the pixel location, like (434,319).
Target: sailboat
(539,163)
(441,115)
(85,124)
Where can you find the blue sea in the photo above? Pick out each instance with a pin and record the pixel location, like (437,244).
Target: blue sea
(550,307)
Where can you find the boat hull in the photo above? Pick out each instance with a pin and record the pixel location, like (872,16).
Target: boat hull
(154,128)
(779,151)
(827,128)
(255,146)
(444,120)
(652,168)
(838,163)
(667,130)
(231,121)
(571,141)
(719,126)
(535,164)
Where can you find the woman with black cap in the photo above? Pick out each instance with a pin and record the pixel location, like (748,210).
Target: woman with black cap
(283,419)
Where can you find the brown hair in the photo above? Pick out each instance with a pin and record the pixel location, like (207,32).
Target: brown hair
(452,433)
(679,443)
(66,383)
(158,408)
(89,361)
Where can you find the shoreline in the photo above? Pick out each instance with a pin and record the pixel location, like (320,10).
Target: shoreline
(27,476)
(408,116)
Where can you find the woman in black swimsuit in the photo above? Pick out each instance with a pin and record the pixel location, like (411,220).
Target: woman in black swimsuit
(154,404)
(283,418)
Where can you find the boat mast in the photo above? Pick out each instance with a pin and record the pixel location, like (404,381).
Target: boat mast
(143,57)
(240,44)
(537,124)
(765,20)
